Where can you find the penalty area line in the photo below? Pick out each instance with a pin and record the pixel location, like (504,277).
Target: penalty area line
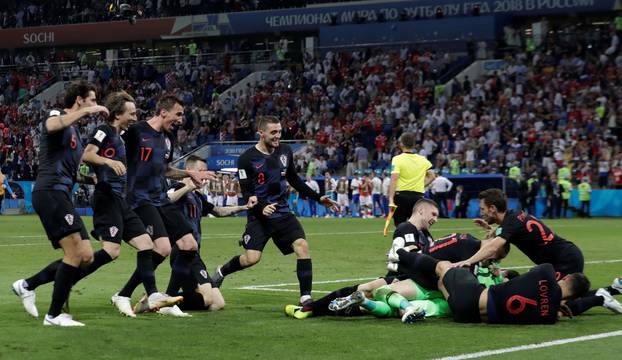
(533,346)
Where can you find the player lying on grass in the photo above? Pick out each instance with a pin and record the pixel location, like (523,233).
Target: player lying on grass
(539,243)
(412,232)
(197,290)
(387,302)
(532,298)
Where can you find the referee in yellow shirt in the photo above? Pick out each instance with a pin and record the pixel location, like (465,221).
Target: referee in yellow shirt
(410,174)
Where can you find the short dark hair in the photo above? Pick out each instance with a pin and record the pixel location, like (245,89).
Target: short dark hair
(77,89)
(115,103)
(263,121)
(494,197)
(166,102)
(424,201)
(511,273)
(579,285)
(193,159)
(407,139)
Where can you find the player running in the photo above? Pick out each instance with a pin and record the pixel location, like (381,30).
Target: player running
(197,290)
(113,220)
(264,171)
(149,148)
(59,157)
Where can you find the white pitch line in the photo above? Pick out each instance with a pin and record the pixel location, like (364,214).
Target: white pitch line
(533,346)
(312,234)
(279,290)
(289,284)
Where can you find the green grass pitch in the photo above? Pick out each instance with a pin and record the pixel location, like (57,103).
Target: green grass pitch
(253,324)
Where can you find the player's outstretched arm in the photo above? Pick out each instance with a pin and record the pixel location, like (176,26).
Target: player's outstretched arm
(175,194)
(223,211)
(489,250)
(57,122)
(199,177)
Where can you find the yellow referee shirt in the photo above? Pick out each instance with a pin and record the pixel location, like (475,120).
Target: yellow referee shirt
(412,169)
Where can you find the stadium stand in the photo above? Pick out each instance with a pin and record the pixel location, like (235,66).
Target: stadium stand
(548,107)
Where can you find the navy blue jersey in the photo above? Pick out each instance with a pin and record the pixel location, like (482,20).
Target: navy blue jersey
(149,153)
(532,298)
(413,236)
(532,237)
(110,146)
(266,176)
(59,157)
(454,247)
(194,206)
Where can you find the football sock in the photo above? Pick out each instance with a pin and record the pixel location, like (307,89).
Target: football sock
(100,258)
(581,305)
(135,280)
(304,272)
(378,308)
(397,301)
(232,266)
(144,266)
(63,280)
(46,275)
(173,255)
(180,269)
(320,306)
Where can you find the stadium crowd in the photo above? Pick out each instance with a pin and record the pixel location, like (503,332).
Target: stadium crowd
(551,107)
(25,13)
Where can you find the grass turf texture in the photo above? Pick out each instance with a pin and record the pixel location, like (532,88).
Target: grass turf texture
(253,324)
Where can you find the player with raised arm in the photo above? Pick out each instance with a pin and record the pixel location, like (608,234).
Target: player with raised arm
(538,242)
(59,158)
(149,149)
(264,172)
(197,290)
(113,220)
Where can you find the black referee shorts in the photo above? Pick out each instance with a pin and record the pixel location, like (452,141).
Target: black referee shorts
(405,201)
(283,231)
(113,220)
(58,216)
(464,291)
